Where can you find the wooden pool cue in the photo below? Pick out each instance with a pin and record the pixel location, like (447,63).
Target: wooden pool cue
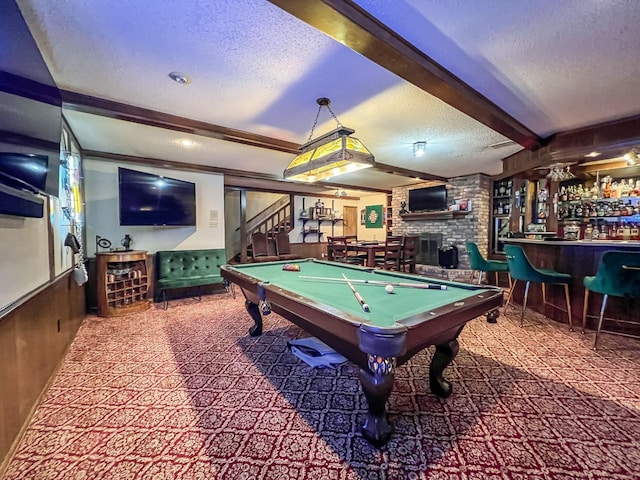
(363,304)
(424,286)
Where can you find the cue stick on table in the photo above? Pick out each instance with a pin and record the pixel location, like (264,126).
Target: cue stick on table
(363,304)
(425,286)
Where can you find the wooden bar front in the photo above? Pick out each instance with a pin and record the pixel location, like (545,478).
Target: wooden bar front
(579,259)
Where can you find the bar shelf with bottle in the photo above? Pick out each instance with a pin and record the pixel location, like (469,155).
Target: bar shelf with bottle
(606,210)
(502,198)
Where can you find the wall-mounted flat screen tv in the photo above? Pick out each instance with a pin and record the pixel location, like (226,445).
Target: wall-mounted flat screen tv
(428,199)
(148,199)
(24,171)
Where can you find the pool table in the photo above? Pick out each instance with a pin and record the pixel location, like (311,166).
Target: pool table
(396,326)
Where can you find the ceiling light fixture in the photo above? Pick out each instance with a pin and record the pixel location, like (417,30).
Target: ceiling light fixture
(331,154)
(419,149)
(505,143)
(593,154)
(181,78)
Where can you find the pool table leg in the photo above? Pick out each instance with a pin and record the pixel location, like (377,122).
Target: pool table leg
(492,316)
(254,312)
(377,389)
(444,355)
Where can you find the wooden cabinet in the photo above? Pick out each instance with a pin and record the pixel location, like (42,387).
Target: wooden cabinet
(122,283)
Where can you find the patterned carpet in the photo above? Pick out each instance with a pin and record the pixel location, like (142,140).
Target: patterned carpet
(187,394)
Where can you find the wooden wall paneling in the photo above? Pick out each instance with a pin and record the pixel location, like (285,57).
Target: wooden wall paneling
(36,352)
(33,340)
(10,423)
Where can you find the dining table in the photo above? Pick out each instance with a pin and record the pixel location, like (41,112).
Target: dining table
(370,247)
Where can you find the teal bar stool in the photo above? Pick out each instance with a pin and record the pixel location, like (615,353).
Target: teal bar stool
(618,275)
(520,268)
(480,264)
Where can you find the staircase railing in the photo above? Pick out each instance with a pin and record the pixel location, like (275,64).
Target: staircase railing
(276,218)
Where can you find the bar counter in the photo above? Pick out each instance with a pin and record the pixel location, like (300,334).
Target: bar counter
(579,258)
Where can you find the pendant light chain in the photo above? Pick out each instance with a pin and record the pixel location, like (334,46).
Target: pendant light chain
(334,117)
(323,102)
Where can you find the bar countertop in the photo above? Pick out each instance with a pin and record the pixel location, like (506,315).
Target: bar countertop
(576,243)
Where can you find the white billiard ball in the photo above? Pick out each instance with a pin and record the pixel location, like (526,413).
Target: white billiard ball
(388,288)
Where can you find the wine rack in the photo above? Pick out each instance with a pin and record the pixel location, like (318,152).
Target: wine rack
(123,283)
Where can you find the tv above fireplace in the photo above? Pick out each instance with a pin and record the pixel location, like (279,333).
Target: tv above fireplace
(428,199)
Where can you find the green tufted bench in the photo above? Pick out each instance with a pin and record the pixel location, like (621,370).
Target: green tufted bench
(189,268)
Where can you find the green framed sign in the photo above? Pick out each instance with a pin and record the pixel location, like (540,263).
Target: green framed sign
(373,216)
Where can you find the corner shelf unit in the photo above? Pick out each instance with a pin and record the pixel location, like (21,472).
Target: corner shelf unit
(123,283)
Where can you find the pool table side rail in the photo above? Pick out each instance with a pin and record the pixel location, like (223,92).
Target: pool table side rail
(448,318)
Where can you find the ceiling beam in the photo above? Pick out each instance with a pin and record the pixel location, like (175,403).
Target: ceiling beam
(405,172)
(121,111)
(236,178)
(347,23)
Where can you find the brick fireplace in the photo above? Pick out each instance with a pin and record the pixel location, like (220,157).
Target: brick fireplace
(456,230)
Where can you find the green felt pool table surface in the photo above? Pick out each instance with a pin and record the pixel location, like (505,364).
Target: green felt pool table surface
(386,309)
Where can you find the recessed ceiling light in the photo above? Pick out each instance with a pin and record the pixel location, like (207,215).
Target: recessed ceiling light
(185,142)
(181,78)
(593,154)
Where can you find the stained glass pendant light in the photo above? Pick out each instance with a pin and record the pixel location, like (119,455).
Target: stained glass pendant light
(331,154)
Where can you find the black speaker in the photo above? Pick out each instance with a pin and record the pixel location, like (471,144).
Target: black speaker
(20,203)
(448,256)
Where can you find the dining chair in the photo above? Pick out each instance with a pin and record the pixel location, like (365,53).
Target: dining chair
(392,253)
(409,253)
(480,265)
(520,268)
(618,275)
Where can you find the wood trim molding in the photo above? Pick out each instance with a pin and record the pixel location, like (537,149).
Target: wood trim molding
(611,139)
(444,215)
(421,176)
(122,111)
(239,179)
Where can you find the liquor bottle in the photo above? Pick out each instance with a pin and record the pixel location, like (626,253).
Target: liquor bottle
(588,232)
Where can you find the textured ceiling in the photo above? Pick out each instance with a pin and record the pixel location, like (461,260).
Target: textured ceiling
(552,65)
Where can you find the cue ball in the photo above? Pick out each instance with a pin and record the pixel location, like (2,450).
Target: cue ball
(388,289)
